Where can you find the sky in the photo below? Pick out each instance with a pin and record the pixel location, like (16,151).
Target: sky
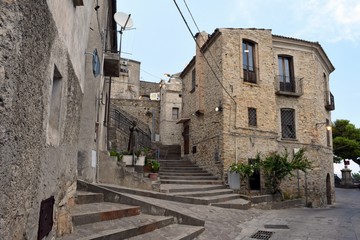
(162,43)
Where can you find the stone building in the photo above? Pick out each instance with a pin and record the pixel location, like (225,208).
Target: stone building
(156,107)
(51,105)
(170,105)
(248,91)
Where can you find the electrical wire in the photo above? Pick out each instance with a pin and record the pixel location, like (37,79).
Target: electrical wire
(150,74)
(197,27)
(197,44)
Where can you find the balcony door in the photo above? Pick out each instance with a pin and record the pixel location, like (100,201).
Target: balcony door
(286,74)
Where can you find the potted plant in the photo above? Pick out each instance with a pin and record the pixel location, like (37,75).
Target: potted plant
(141,156)
(155,167)
(237,172)
(127,158)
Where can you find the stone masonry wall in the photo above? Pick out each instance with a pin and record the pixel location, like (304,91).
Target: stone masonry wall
(239,142)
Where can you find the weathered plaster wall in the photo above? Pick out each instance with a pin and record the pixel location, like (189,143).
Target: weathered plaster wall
(33,167)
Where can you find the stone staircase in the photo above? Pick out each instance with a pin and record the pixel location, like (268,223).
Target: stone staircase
(185,179)
(94,218)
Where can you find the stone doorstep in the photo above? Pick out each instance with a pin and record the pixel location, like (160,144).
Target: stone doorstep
(174,231)
(96,212)
(170,171)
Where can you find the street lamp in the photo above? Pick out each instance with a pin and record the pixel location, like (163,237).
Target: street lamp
(327,124)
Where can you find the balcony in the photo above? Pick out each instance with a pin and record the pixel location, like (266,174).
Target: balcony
(289,86)
(329,102)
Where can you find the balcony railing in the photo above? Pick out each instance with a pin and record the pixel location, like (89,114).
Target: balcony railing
(289,86)
(329,102)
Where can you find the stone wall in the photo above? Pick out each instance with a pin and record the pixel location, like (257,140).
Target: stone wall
(224,137)
(171,98)
(42,93)
(146,112)
(126,86)
(148,87)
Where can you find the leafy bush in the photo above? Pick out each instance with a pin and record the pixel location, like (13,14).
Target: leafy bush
(278,166)
(356,176)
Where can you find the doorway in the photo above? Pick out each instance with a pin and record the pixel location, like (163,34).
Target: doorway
(328,189)
(254,179)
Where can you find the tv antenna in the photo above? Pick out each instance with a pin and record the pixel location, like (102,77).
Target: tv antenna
(125,22)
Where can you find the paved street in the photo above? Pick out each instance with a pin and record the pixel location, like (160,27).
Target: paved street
(340,221)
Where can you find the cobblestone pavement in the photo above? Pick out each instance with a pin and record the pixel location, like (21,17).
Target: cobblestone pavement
(339,221)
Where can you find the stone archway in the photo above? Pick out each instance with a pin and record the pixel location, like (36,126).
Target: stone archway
(328,189)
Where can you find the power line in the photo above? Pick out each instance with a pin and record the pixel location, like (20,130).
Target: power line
(192,17)
(197,44)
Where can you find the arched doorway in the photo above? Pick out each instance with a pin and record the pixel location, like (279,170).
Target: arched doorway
(328,189)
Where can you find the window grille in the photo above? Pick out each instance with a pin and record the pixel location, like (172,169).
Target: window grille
(288,123)
(252,117)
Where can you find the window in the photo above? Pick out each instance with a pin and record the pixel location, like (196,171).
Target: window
(286,74)
(288,123)
(252,117)
(175,113)
(193,80)
(249,67)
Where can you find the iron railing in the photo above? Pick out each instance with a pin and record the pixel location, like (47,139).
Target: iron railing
(329,101)
(289,86)
(122,122)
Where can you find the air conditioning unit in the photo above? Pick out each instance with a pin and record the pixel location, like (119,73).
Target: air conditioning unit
(155,96)
(124,63)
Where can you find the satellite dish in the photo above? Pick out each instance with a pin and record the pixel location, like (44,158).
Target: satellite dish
(123,19)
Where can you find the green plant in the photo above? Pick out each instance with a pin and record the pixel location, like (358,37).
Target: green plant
(278,166)
(114,153)
(245,170)
(155,166)
(356,176)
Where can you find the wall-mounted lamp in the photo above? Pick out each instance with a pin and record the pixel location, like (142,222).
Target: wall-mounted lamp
(219,108)
(327,124)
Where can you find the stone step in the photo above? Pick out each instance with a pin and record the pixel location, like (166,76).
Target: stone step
(95,212)
(234,204)
(179,177)
(219,198)
(123,228)
(88,197)
(176,162)
(206,193)
(185,174)
(172,232)
(191,182)
(181,169)
(181,188)
(171,170)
